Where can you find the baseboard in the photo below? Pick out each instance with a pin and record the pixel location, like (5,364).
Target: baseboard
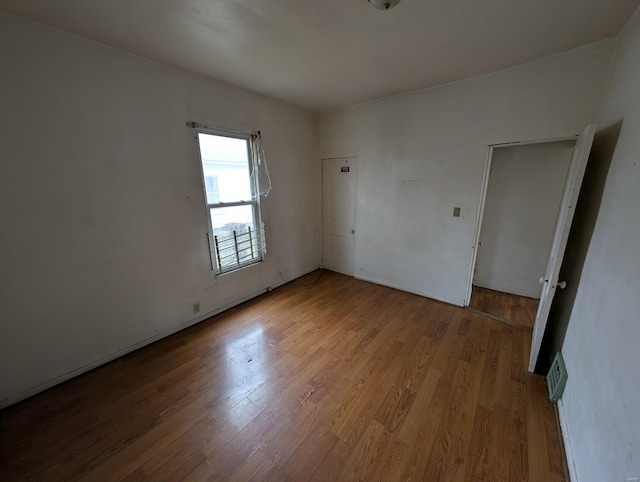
(90,366)
(414,292)
(566,439)
(507,289)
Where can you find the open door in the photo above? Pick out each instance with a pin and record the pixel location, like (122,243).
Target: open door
(563,226)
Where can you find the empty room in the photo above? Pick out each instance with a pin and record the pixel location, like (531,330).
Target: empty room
(294,240)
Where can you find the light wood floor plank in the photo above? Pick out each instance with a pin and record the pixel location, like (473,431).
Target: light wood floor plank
(339,380)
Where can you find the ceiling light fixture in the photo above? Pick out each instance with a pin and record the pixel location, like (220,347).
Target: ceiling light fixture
(384,4)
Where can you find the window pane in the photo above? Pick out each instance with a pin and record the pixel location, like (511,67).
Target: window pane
(227,160)
(213,193)
(225,221)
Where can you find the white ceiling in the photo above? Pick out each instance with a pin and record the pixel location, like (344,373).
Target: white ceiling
(324,54)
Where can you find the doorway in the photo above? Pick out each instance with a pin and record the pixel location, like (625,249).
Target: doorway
(550,280)
(515,310)
(522,202)
(339,178)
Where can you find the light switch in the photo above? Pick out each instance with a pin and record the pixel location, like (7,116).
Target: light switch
(456,212)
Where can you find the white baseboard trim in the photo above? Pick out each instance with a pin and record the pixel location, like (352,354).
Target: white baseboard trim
(414,292)
(507,289)
(568,449)
(90,366)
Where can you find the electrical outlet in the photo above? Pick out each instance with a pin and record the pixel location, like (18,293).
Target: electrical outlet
(196,307)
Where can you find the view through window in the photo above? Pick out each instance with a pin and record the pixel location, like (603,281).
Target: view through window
(235,229)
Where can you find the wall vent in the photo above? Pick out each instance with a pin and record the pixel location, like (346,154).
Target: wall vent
(557,378)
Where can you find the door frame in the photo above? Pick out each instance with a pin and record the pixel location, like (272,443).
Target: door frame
(322,213)
(483,198)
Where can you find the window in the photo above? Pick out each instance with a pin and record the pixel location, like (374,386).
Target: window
(235,231)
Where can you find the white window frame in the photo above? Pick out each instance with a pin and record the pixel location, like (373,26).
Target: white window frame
(216,264)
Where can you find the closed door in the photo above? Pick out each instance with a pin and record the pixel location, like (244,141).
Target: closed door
(338,213)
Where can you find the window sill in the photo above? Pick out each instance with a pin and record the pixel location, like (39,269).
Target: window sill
(239,268)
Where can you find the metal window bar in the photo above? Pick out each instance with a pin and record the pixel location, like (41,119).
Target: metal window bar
(239,249)
(231,241)
(250,241)
(232,248)
(235,242)
(215,238)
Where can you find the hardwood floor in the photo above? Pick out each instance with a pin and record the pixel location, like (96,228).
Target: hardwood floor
(341,380)
(519,311)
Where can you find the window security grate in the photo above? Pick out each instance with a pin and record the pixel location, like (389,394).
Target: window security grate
(239,249)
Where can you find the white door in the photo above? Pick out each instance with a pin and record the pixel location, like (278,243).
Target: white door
(565,217)
(338,213)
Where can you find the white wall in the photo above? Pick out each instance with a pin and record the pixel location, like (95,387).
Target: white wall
(601,403)
(422,154)
(102,213)
(520,214)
